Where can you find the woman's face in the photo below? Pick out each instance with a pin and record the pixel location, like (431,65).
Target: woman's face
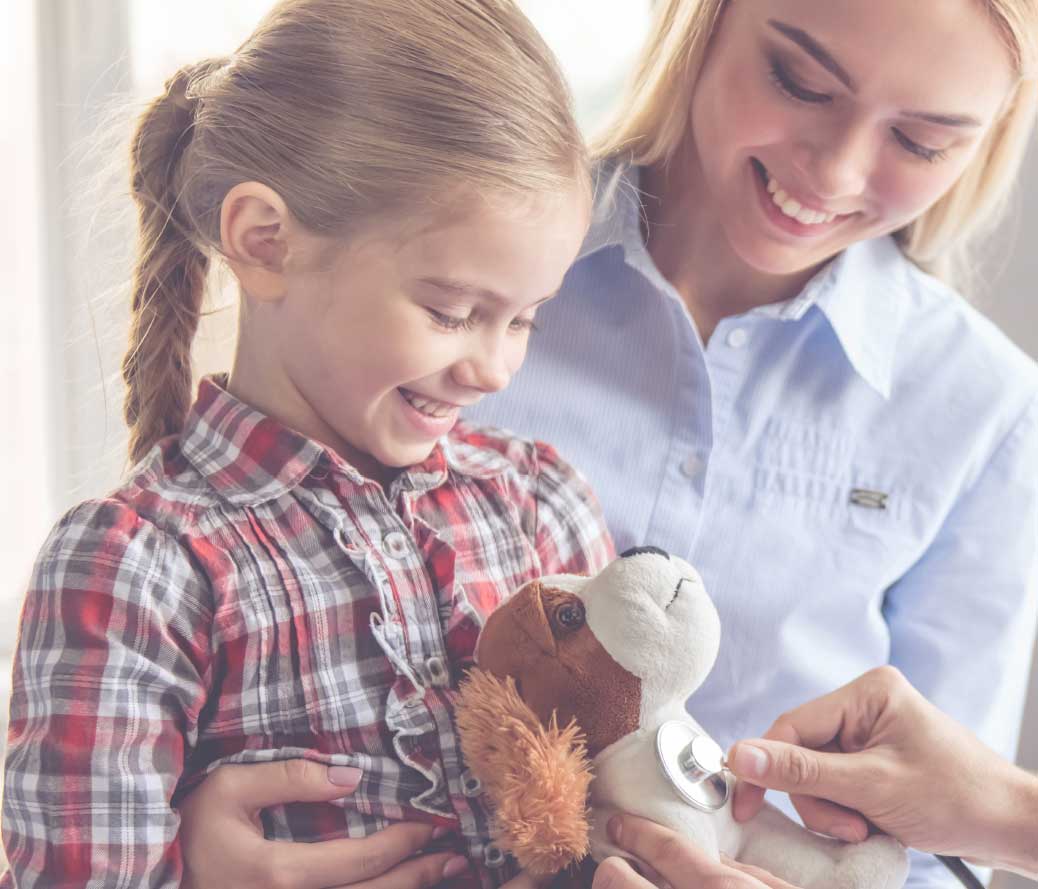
(819,124)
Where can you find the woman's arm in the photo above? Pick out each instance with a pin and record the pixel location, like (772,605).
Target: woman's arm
(911,770)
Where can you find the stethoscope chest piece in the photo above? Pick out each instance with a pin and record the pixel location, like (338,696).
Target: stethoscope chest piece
(693,764)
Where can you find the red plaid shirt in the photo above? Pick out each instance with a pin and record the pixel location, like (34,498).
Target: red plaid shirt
(249,596)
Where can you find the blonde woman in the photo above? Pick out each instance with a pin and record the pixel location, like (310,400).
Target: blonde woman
(761,363)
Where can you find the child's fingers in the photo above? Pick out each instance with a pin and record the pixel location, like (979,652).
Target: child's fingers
(366,861)
(254,786)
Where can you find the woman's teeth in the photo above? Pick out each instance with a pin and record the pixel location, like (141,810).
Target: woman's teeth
(793,209)
(427,406)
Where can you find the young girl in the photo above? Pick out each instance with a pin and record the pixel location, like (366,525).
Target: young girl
(757,372)
(301,559)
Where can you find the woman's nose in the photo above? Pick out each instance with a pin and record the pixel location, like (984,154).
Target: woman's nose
(836,162)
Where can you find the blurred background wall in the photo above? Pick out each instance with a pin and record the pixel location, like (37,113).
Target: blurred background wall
(77,70)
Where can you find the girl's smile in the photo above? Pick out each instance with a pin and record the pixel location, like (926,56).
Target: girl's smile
(376,351)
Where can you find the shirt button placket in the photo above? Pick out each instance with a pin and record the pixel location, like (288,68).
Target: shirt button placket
(394,545)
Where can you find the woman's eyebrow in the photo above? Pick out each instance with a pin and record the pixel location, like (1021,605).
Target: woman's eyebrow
(818,52)
(824,58)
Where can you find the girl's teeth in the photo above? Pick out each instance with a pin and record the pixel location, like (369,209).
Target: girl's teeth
(427,406)
(794,209)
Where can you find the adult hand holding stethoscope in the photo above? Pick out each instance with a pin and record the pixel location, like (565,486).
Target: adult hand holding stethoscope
(873,752)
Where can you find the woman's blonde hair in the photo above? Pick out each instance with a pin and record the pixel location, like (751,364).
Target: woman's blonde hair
(346,108)
(652,119)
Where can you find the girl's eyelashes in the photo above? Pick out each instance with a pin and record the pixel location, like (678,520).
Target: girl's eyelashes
(786,85)
(455,322)
(789,87)
(932,155)
(450,322)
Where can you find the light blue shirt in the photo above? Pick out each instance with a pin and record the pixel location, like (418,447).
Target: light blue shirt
(854,472)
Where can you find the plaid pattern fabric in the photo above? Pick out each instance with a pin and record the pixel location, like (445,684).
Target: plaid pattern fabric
(248,596)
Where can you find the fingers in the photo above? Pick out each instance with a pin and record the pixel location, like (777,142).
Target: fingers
(616,873)
(365,861)
(830,819)
(417,873)
(678,860)
(264,784)
(798,770)
(758,873)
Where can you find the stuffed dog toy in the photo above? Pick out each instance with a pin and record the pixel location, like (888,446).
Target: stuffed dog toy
(559,721)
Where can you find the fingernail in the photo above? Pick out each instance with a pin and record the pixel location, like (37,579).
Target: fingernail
(615,829)
(454,867)
(748,761)
(846,832)
(440,832)
(344,776)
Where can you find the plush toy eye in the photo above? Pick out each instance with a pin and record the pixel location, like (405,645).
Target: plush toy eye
(569,616)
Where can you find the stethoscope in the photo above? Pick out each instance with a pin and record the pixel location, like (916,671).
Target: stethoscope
(695,767)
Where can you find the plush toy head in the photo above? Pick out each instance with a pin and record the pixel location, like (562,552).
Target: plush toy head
(597,655)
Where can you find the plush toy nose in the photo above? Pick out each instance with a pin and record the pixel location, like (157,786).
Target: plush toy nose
(640,550)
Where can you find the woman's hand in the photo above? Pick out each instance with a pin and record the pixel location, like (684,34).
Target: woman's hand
(224,848)
(676,860)
(877,747)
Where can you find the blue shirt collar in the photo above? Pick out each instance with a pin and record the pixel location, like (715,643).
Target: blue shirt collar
(861,293)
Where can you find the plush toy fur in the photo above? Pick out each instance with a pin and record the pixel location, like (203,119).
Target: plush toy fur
(612,658)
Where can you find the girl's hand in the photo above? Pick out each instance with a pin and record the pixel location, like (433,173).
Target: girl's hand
(223,846)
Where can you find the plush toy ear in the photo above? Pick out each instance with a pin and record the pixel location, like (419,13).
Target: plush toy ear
(535,777)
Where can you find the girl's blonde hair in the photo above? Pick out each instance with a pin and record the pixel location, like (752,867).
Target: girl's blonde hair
(346,108)
(654,116)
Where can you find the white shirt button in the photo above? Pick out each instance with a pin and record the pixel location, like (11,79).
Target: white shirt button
(737,337)
(493,856)
(470,784)
(691,466)
(394,544)
(437,671)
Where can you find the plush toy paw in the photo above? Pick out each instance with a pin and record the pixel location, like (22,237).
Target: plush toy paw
(536,777)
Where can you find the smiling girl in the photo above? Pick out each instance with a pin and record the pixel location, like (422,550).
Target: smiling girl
(298,565)
(754,365)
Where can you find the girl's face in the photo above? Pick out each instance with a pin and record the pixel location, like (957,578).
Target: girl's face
(819,124)
(407,327)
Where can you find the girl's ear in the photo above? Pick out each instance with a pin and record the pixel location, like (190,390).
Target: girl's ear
(254,227)
(536,778)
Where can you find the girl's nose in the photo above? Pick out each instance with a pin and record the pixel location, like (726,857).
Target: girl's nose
(486,369)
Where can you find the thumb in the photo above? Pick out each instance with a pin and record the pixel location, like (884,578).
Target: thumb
(795,769)
(256,786)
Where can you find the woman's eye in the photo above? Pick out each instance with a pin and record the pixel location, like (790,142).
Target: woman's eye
(450,322)
(789,87)
(927,154)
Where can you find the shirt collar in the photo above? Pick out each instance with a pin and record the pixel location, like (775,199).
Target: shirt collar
(250,458)
(861,293)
